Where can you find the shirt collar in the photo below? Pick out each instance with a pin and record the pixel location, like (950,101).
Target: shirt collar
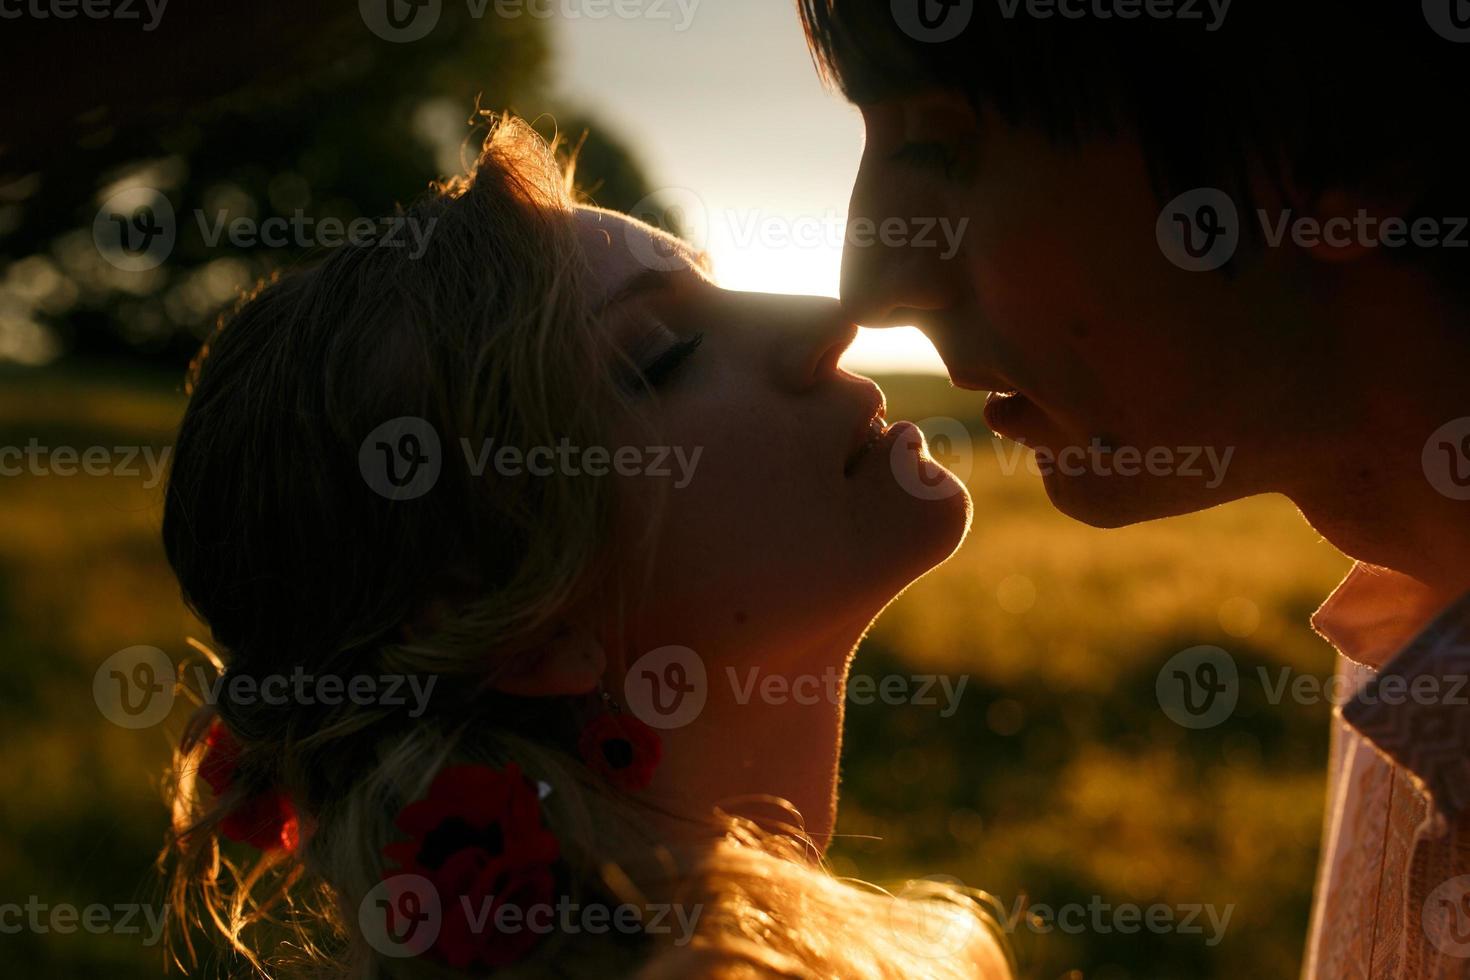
(1414,709)
(1375,612)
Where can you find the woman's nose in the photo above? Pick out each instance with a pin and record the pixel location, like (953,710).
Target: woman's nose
(809,336)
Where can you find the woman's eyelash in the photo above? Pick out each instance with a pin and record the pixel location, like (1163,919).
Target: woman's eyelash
(662,367)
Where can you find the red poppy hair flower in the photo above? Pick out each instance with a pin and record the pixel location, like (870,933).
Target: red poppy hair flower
(478,836)
(266,821)
(622,749)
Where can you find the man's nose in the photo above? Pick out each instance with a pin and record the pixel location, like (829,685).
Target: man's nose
(888,274)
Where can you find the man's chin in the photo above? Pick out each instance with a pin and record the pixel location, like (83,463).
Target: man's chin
(1108,502)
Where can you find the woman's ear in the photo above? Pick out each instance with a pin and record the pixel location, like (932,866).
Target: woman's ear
(571,661)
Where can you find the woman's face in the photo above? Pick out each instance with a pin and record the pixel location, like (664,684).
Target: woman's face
(778,521)
(781,529)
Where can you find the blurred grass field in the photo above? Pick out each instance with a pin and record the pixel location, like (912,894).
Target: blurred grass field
(1058,777)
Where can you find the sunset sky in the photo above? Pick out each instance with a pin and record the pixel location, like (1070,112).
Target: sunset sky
(724,107)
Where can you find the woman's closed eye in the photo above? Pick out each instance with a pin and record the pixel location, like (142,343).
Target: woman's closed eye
(672,353)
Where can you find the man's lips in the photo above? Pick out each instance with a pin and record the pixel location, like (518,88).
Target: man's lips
(1007,412)
(979,383)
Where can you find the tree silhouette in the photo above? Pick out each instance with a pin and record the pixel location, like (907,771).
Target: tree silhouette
(271,109)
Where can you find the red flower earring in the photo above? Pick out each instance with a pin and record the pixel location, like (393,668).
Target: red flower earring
(266,821)
(480,839)
(620,747)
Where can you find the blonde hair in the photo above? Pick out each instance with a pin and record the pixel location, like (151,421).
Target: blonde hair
(283,548)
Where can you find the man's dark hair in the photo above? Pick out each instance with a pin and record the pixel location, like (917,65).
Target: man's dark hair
(1356,96)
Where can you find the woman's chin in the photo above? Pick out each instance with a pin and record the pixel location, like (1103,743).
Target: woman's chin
(917,521)
(939,526)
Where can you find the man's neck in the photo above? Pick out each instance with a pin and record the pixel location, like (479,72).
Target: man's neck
(1383,487)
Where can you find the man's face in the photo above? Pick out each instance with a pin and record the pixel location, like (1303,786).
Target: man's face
(1147,390)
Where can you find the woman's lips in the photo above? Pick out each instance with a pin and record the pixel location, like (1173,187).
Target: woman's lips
(884,439)
(874,433)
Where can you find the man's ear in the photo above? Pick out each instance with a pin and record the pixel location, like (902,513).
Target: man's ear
(1351,224)
(571,661)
